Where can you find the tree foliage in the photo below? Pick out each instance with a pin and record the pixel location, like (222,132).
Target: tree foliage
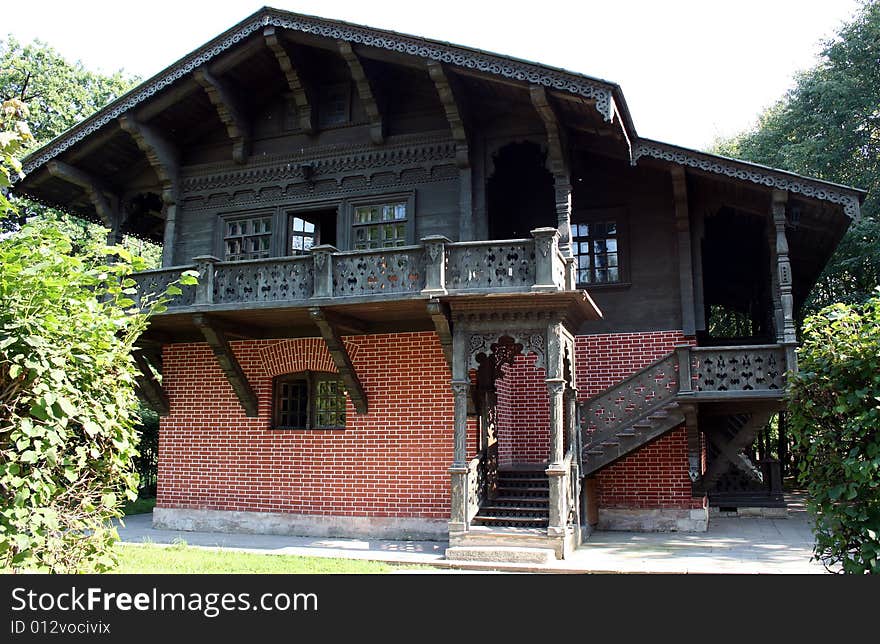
(835,421)
(828,126)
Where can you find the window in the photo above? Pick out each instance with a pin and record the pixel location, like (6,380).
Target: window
(595,245)
(302,236)
(247,238)
(334,105)
(380,225)
(309,400)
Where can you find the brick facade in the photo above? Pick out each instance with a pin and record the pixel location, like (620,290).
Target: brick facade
(391,462)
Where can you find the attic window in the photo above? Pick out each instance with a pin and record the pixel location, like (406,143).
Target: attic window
(334,105)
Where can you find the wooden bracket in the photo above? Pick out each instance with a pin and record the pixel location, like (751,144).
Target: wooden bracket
(439,313)
(216,339)
(325,322)
(556,141)
(161,153)
(229,110)
(149,389)
(305,108)
(365,91)
(106,209)
(451,99)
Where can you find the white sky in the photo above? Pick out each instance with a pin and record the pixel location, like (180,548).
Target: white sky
(691,70)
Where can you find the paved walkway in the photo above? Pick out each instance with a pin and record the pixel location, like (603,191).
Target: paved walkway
(731,545)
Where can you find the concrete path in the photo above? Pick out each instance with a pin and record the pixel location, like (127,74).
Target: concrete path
(731,545)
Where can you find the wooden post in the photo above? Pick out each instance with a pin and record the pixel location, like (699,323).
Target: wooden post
(458,521)
(435,273)
(205,287)
(323,257)
(789,334)
(545,257)
(685,378)
(685,264)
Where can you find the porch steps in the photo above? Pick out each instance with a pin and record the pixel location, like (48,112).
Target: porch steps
(522,500)
(501,554)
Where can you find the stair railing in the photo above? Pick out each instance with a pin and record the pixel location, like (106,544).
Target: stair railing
(476,485)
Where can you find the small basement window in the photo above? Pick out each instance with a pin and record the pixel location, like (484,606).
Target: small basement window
(309,400)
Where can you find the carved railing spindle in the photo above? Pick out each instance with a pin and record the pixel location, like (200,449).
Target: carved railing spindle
(205,289)
(323,256)
(435,270)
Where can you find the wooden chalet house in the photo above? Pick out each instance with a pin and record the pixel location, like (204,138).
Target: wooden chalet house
(444,293)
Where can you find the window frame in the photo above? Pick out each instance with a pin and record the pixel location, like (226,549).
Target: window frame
(380,199)
(229,217)
(620,216)
(311,379)
(347,116)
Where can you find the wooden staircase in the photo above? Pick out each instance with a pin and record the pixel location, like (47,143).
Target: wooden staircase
(603,447)
(522,501)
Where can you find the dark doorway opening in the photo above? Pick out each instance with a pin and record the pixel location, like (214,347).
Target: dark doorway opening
(520,192)
(310,228)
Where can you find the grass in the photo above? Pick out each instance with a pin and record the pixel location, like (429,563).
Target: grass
(180,558)
(140,506)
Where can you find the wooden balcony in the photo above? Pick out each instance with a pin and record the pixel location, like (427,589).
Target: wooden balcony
(386,287)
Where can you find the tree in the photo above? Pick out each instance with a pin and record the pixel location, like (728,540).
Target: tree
(835,422)
(828,126)
(68,409)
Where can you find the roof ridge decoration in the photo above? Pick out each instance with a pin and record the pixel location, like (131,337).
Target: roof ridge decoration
(747,171)
(446,53)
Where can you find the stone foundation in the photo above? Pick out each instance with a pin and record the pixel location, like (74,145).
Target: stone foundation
(302,525)
(653,520)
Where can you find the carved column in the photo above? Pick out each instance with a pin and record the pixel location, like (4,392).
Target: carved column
(545,258)
(789,335)
(323,257)
(459,471)
(205,287)
(557,471)
(563,212)
(169,208)
(435,273)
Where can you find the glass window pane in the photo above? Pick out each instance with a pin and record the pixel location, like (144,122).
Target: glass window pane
(309,227)
(599,246)
(611,228)
(611,245)
(612,259)
(613,275)
(298,224)
(583,261)
(400,211)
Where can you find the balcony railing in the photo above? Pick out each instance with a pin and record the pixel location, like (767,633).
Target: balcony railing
(433,268)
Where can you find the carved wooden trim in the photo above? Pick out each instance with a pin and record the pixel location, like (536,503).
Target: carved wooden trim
(216,339)
(229,111)
(365,91)
(341,359)
(104,207)
(149,389)
(161,154)
(440,317)
(451,100)
(305,108)
(745,171)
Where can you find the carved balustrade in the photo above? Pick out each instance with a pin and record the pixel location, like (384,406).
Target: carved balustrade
(390,270)
(287,279)
(754,368)
(495,265)
(153,283)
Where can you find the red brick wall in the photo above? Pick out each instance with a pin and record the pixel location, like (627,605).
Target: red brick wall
(523,413)
(391,462)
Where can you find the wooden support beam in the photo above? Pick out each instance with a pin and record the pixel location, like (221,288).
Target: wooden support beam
(439,313)
(216,339)
(306,110)
(557,160)
(346,323)
(106,208)
(149,388)
(341,359)
(451,99)
(229,110)
(161,154)
(685,258)
(365,91)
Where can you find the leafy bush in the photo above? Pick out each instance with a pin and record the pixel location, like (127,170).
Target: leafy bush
(835,421)
(68,409)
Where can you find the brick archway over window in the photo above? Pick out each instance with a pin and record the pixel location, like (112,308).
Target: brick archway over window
(306,354)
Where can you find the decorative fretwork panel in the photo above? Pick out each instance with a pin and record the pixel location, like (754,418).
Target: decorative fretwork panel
(149,284)
(476,485)
(738,369)
(637,395)
(288,279)
(490,265)
(398,271)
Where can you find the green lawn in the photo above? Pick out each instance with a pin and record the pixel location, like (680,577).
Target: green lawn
(180,558)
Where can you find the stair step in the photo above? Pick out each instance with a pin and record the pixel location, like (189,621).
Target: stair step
(531,500)
(487,510)
(511,521)
(505,490)
(627,433)
(595,451)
